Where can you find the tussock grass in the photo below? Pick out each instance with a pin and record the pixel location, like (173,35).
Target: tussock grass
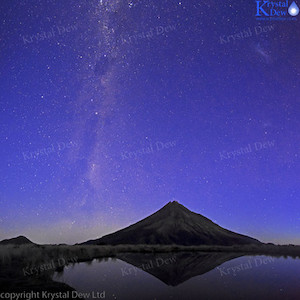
(14,259)
(32,255)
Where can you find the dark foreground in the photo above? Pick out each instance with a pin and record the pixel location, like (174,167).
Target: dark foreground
(30,268)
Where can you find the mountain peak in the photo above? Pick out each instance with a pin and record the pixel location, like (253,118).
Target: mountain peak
(174,224)
(174,204)
(174,208)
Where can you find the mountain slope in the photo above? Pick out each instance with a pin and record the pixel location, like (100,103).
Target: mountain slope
(20,240)
(174,224)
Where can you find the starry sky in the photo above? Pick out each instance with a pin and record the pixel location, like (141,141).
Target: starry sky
(111,109)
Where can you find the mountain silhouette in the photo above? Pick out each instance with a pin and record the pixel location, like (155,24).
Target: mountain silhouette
(174,268)
(20,240)
(174,224)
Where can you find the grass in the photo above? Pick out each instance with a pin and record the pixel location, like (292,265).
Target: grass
(31,267)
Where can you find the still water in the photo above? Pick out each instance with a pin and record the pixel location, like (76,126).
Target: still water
(185,276)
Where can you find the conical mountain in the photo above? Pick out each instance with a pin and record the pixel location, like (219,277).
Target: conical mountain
(174,224)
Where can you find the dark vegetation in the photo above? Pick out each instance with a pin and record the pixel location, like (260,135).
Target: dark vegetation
(31,267)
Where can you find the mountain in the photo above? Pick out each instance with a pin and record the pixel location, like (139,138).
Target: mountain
(20,240)
(174,224)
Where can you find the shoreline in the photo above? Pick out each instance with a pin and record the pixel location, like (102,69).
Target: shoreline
(31,267)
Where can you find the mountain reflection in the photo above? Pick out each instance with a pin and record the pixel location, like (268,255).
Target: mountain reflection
(174,268)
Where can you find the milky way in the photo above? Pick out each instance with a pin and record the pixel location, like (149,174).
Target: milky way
(111,109)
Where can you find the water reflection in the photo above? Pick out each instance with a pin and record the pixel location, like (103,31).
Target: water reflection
(174,269)
(188,276)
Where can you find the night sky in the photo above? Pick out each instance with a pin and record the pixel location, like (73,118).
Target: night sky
(111,109)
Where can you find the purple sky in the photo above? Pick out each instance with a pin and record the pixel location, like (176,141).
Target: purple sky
(111,109)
